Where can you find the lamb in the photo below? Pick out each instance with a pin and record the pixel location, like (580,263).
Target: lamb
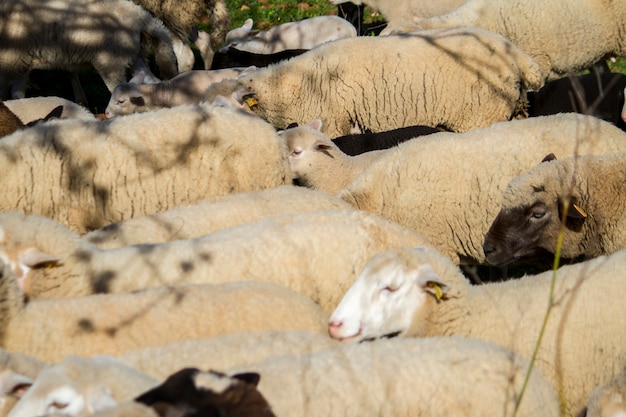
(397,13)
(418,292)
(452,201)
(532,209)
(193,392)
(488,76)
(59,40)
(52,329)
(609,399)
(302,34)
(78,386)
(596,94)
(36,108)
(186,88)
(434,377)
(276,249)
(358,143)
(225,351)
(316,162)
(544,29)
(169,157)
(213,214)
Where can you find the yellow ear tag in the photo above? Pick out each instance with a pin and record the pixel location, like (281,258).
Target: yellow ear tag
(579,210)
(251,101)
(437,288)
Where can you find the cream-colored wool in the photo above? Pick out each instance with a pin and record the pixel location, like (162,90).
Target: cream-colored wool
(88,174)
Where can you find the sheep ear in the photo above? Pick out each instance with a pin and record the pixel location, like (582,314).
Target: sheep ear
(248,377)
(248,24)
(322,147)
(315,124)
(15,384)
(138,78)
(431,283)
(34,258)
(549,157)
(575,212)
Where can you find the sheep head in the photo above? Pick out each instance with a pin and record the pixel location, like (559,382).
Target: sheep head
(392,289)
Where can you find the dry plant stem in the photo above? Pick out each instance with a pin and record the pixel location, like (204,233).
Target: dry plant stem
(555,266)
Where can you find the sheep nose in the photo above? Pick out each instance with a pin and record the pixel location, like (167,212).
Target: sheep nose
(334,327)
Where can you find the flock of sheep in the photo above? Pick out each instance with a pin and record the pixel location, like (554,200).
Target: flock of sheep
(303,227)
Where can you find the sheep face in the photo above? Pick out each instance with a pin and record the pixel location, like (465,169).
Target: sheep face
(529,221)
(125,99)
(382,302)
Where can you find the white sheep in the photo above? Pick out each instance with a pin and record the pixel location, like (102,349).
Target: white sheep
(316,162)
(609,399)
(465,78)
(544,29)
(225,351)
(112,324)
(186,88)
(35,108)
(448,186)
(80,386)
(302,34)
(532,210)
(317,254)
(213,214)
(43,34)
(91,173)
(398,13)
(419,292)
(403,378)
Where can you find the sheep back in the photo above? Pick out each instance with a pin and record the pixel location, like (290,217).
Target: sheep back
(452,200)
(449,376)
(458,79)
(87,174)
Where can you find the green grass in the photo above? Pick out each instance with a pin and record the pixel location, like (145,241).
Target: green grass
(269,13)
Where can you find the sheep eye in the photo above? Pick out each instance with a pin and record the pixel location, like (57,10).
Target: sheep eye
(296,152)
(120,102)
(58,406)
(390,288)
(537,212)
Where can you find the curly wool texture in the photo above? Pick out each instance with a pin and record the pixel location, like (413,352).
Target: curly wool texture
(317,254)
(88,174)
(452,201)
(116,323)
(213,214)
(436,377)
(226,351)
(459,79)
(564,37)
